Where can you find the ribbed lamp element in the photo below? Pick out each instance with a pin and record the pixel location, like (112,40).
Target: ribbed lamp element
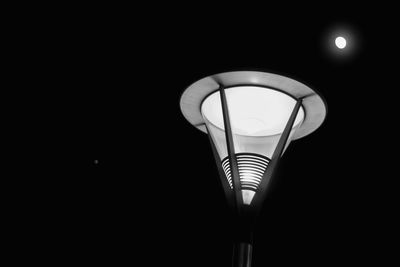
(251,169)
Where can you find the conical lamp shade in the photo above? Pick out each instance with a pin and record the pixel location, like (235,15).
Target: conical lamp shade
(258,116)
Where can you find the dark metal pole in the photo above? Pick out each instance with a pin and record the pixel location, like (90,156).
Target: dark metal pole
(242,254)
(243,239)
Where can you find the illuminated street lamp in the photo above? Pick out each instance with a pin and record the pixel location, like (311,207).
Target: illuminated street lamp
(250,117)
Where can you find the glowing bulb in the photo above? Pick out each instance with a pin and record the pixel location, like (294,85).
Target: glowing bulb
(340,42)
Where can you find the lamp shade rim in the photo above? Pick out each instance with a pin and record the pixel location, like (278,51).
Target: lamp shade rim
(314,105)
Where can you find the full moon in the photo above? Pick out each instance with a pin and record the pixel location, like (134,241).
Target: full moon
(340,42)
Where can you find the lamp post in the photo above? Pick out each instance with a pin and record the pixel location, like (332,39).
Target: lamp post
(250,117)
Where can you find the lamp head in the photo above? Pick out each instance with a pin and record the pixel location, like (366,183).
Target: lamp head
(259,106)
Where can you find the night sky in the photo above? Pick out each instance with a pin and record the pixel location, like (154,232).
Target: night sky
(132,183)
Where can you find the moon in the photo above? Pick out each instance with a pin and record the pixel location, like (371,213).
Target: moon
(340,42)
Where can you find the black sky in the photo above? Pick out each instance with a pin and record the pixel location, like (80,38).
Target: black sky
(107,88)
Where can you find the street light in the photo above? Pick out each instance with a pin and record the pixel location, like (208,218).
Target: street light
(250,117)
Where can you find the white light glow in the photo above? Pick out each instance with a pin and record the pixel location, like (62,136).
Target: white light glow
(247,196)
(340,42)
(254,111)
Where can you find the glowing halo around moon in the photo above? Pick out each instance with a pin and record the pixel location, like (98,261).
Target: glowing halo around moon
(340,42)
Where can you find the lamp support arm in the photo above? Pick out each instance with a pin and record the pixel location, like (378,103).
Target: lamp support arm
(260,196)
